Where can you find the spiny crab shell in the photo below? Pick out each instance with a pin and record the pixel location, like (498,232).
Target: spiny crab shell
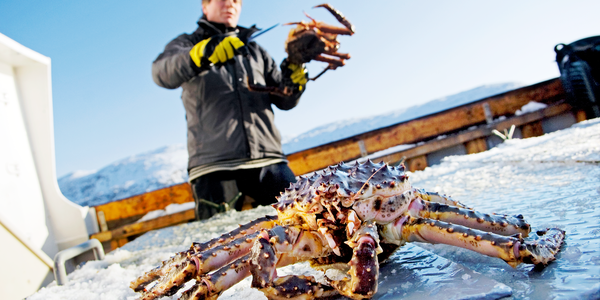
(343,186)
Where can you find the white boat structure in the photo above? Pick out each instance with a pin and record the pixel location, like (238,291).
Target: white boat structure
(36,220)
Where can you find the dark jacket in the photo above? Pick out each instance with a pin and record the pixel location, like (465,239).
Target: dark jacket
(225,120)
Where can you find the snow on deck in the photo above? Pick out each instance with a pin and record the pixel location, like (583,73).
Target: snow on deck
(553,180)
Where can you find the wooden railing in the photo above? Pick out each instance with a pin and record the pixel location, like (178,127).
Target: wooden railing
(424,128)
(457,124)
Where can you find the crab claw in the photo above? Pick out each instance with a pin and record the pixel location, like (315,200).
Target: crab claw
(364,265)
(543,250)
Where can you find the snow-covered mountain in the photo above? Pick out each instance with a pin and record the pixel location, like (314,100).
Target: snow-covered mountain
(134,175)
(168,165)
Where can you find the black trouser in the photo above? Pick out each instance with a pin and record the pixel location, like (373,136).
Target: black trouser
(262,184)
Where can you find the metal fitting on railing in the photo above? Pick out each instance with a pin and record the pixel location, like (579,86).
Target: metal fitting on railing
(60,272)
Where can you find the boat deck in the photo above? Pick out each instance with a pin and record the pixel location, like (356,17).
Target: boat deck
(553,180)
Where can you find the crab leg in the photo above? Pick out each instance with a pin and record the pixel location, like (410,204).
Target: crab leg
(200,259)
(286,92)
(197,264)
(499,224)
(437,198)
(338,54)
(273,248)
(340,17)
(514,249)
(332,61)
(323,27)
(265,222)
(319,75)
(211,286)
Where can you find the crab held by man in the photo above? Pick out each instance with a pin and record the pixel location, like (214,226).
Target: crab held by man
(313,40)
(349,217)
(316,40)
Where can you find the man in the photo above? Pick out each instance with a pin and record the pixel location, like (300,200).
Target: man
(232,140)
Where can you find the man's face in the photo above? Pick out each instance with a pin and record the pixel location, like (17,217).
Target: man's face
(223,11)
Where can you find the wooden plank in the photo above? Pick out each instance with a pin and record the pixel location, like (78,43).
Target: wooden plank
(420,129)
(114,244)
(128,210)
(532,129)
(122,242)
(142,227)
(416,163)
(478,133)
(437,145)
(580,116)
(476,146)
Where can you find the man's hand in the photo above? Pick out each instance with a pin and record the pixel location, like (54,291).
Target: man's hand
(299,74)
(294,76)
(217,49)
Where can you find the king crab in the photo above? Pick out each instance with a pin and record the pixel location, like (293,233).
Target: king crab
(346,217)
(314,40)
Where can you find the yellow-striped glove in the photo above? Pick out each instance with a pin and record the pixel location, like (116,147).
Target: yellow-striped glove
(217,49)
(294,76)
(299,74)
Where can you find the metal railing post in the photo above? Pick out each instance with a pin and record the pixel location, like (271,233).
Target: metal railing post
(60,272)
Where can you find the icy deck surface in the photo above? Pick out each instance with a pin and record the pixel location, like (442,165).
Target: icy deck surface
(553,180)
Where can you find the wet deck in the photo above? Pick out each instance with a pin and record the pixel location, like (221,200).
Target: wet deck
(553,180)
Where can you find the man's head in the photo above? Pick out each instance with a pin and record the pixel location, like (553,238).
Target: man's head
(222,11)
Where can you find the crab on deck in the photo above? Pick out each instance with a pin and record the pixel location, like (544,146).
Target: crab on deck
(349,217)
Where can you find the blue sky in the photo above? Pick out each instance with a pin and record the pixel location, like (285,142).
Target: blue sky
(106,106)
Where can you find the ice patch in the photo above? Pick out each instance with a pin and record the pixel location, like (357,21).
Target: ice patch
(530,107)
(170,209)
(572,253)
